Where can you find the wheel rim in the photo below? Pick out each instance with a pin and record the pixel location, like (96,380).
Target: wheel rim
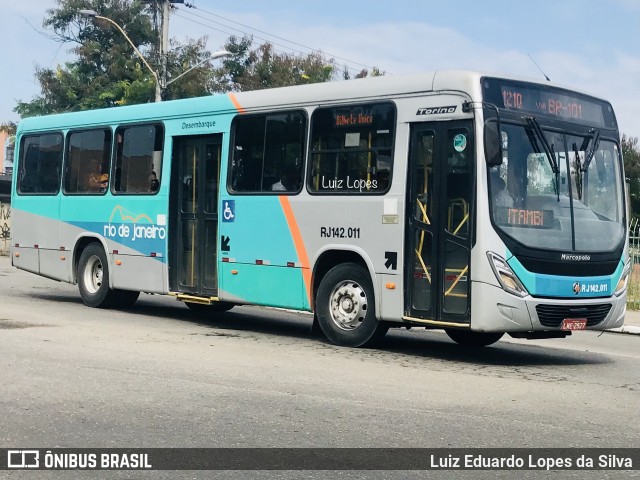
(348,305)
(93,274)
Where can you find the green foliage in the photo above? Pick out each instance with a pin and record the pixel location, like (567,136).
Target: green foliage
(364,73)
(107,71)
(9,127)
(263,67)
(106,63)
(631,154)
(199,81)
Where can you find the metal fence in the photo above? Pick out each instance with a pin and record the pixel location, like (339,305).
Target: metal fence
(633,292)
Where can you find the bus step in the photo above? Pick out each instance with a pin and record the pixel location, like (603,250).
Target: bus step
(193,299)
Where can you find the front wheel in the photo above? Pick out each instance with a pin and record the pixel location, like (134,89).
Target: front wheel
(93,278)
(345,306)
(469,338)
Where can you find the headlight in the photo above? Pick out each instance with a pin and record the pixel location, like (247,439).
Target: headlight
(622,283)
(505,275)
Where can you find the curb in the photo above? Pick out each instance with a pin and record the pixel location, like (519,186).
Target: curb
(632,329)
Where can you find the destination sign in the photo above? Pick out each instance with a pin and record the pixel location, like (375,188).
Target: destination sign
(521,217)
(547,101)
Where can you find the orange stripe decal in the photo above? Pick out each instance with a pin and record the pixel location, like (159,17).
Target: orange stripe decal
(236,103)
(298,243)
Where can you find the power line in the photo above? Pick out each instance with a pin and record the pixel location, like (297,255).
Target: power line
(278,37)
(236,29)
(233,34)
(287,49)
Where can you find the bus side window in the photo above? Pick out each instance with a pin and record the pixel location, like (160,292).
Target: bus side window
(41,158)
(138,162)
(352,149)
(267,153)
(29,168)
(87,161)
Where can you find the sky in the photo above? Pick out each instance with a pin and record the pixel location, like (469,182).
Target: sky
(589,45)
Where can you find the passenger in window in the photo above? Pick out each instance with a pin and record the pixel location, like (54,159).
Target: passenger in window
(289,180)
(154,183)
(98,181)
(104,182)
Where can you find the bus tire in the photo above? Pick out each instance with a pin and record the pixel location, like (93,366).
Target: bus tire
(345,307)
(214,307)
(469,338)
(93,278)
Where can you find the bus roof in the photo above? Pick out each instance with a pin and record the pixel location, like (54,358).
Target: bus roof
(313,94)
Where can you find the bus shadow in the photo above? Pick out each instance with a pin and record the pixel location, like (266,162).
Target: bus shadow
(72,298)
(437,345)
(398,344)
(415,344)
(239,319)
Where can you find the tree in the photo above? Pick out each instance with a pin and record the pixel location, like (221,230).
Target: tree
(364,73)
(107,71)
(631,154)
(263,67)
(9,127)
(199,81)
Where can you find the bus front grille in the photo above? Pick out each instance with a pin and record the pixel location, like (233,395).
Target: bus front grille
(553,315)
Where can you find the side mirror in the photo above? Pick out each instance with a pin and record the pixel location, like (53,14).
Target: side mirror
(493,143)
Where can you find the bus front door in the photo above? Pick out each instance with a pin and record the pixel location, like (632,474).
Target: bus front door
(439,208)
(194,215)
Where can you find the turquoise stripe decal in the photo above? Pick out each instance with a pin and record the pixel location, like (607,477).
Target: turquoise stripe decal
(542,285)
(259,232)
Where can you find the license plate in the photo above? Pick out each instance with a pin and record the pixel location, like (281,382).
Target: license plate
(574,324)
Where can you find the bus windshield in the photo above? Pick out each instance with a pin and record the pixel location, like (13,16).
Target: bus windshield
(577,207)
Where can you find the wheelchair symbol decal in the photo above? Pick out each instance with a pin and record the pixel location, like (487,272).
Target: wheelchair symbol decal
(229,211)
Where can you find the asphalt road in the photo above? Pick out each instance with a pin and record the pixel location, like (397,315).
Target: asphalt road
(159,376)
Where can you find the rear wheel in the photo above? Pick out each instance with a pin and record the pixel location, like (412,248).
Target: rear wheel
(469,338)
(93,278)
(345,307)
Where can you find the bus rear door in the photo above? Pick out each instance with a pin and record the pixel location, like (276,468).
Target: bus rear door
(194,215)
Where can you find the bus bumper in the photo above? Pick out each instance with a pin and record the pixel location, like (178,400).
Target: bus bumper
(494,310)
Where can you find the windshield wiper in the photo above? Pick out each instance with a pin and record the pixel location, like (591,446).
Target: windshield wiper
(595,137)
(583,167)
(578,169)
(548,150)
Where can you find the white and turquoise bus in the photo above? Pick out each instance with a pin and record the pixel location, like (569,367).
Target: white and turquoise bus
(459,200)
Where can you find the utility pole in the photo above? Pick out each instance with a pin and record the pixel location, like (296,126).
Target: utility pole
(160,73)
(164,8)
(161,88)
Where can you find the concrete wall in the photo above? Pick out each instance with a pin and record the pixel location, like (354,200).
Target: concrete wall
(5,228)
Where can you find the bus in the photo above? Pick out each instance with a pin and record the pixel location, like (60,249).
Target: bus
(465,201)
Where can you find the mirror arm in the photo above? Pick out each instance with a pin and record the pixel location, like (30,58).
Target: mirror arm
(469,106)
